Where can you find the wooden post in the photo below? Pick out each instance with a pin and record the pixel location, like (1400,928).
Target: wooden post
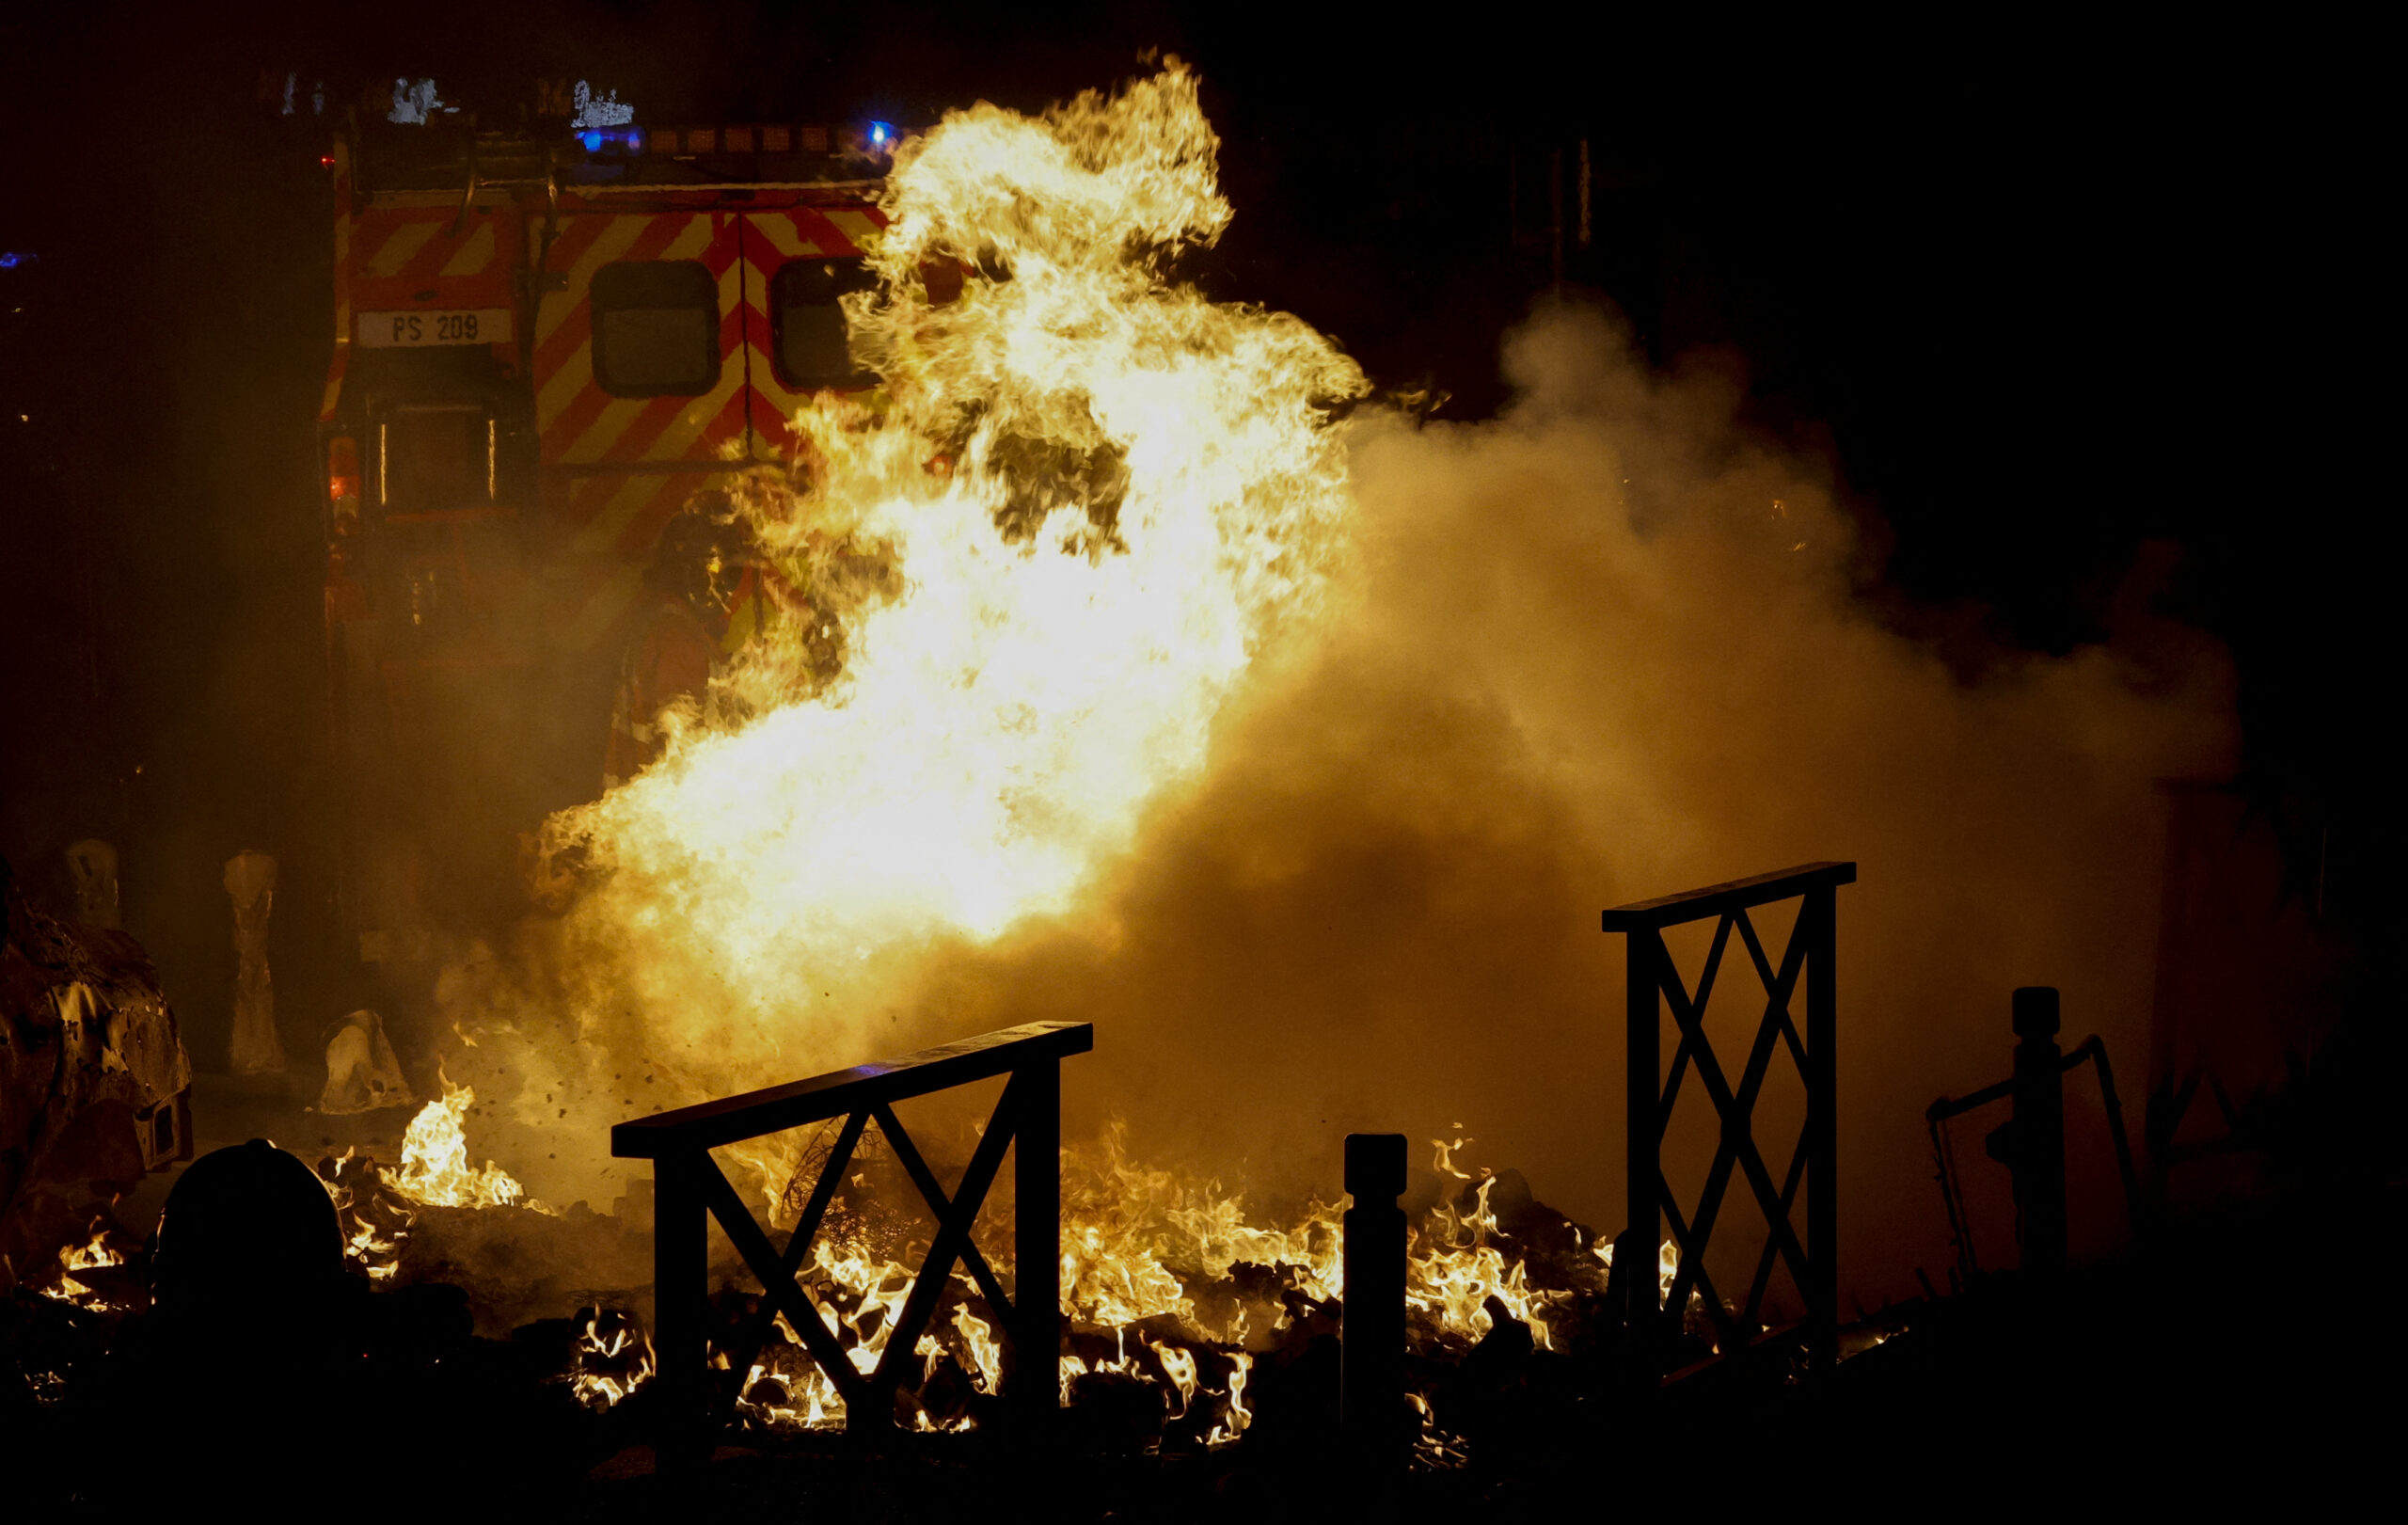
(680,1294)
(1643,1135)
(1822,1129)
(1036,1386)
(1371,1393)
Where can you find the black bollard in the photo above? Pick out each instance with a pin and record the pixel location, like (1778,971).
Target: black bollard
(1371,1402)
(2038,1151)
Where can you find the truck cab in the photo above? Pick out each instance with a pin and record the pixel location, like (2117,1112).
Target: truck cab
(547,345)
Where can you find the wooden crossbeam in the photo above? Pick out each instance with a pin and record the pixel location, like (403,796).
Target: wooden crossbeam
(1778,987)
(938,1203)
(1772,1247)
(744,1346)
(1680,998)
(1734,1107)
(734,1119)
(952,1243)
(1688,1242)
(1737,1145)
(780,1289)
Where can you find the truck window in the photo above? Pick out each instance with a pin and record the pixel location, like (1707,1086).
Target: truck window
(655,328)
(433,460)
(808,326)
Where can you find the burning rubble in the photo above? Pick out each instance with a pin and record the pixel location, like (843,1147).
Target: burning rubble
(1173,1290)
(1093,526)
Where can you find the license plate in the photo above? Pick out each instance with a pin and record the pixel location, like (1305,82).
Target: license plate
(410,330)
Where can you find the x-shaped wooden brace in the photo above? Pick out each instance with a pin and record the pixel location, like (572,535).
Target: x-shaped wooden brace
(870,1397)
(1737,1145)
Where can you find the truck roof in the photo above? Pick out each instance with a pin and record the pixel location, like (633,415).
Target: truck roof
(444,156)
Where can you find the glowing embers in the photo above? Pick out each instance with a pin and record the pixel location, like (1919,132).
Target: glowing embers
(96,1273)
(610,1358)
(1180,1302)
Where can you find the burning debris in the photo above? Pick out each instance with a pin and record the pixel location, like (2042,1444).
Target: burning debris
(1021,584)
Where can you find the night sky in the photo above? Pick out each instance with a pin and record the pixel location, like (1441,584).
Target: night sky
(2041,293)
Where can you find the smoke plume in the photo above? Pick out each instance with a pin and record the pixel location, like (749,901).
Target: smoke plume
(1602,649)
(1300,756)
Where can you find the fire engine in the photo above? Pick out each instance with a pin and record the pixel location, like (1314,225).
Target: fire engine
(545,346)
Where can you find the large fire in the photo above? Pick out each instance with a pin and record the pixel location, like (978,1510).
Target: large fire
(1087,502)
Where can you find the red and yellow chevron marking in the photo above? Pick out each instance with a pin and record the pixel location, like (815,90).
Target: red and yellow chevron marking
(399,255)
(621,515)
(578,424)
(615,516)
(771,239)
(395,256)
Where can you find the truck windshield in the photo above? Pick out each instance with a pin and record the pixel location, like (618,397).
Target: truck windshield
(812,351)
(655,328)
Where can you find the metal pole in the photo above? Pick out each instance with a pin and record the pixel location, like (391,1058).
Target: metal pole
(680,1292)
(1371,1404)
(1035,1387)
(1822,1128)
(2039,1132)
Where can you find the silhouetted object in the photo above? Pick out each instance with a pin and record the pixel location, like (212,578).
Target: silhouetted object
(1652,982)
(677,637)
(247,1375)
(95,1086)
(91,874)
(250,880)
(247,1243)
(2032,1143)
(694,1401)
(1372,1410)
(362,1075)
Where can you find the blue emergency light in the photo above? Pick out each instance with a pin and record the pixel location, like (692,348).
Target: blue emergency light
(595,139)
(881,133)
(10,259)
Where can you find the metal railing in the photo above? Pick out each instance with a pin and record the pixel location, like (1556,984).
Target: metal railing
(2032,1143)
(690,1190)
(1652,983)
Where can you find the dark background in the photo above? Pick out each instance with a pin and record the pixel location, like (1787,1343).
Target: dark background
(2043,292)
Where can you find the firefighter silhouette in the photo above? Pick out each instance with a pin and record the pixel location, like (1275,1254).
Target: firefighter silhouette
(690,590)
(710,592)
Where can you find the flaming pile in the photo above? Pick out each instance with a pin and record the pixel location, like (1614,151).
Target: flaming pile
(1173,1290)
(89,1274)
(375,1205)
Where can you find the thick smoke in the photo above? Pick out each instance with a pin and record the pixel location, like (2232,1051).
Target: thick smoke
(1604,648)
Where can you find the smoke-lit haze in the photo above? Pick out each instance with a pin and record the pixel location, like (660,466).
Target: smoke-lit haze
(1601,649)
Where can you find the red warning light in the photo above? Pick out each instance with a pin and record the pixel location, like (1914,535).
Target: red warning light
(342,481)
